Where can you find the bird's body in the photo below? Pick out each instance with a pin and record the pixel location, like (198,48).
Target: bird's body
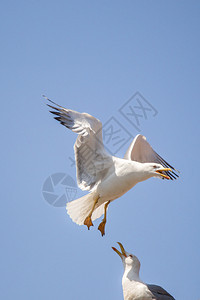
(106,177)
(133,287)
(118,179)
(121,177)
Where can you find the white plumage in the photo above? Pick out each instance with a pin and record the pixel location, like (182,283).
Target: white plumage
(133,287)
(106,177)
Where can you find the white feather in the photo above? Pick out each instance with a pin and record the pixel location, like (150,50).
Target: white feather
(80,208)
(106,176)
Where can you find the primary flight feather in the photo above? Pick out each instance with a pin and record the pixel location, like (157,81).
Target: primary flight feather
(106,177)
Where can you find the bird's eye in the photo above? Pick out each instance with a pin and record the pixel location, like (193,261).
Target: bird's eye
(131,255)
(154,166)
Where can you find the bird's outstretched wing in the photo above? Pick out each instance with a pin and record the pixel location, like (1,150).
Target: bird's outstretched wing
(159,293)
(140,150)
(92,160)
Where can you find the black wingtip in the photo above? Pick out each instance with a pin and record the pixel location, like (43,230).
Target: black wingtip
(51,101)
(58,118)
(172,174)
(55,112)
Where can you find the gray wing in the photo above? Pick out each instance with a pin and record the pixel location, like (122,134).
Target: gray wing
(159,293)
(140,150)
(92,160)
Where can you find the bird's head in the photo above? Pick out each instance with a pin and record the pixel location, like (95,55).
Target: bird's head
(157,170)
(128,259)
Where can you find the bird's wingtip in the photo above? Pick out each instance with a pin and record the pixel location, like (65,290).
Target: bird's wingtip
(51,101)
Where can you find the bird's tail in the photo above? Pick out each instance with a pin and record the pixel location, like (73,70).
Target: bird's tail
(80,208)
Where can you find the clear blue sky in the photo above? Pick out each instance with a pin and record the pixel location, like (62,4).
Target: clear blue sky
(92,56)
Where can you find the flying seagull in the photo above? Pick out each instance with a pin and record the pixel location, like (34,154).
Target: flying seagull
(133,287)
(106,177)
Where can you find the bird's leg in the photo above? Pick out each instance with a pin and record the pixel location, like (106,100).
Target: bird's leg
(88,220)
(103,223)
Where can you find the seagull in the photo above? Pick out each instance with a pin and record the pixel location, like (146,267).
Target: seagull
(106,177)
(133,287)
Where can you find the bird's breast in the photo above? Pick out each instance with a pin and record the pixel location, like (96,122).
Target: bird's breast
(135,290)
(121,179)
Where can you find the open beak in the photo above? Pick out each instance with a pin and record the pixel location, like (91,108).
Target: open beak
(122,250)
(164,170)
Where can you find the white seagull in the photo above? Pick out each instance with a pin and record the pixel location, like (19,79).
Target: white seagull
(133,287)
(106,177)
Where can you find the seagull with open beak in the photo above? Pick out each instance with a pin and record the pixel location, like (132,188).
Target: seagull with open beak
(106,177)
(133,287)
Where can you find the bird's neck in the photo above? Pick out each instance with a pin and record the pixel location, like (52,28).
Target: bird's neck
(139,170)
(131,274)
(131,284)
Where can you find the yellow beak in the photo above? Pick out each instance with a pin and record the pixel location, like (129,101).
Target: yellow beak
(122,250)
(164,170)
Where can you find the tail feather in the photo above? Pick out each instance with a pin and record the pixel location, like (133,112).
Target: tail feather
(79,209)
